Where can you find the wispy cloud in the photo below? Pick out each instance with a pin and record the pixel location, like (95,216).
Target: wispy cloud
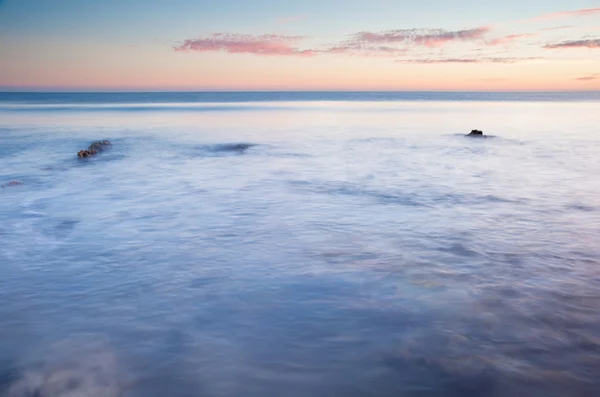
(466,60)
(442,60)
(510,39)
(395,42)
(561,15)
(421,37)
(381,44)
(573,13)
(557,28)
(361,49)
(266,44)
(590,43)
(586,78)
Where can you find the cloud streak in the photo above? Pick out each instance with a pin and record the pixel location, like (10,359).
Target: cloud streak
(361,49)
(557,28)
(510,39)
(466,60)
(266,44)
(574,13)
(443,60)
(586,78)
(590,43)
(421,37)
(395,42)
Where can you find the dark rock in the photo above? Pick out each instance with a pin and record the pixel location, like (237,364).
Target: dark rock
(94,148)
(100,145)
(476,133)
(86,153)
(12,183)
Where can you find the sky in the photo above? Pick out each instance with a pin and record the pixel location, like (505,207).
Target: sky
(308,45)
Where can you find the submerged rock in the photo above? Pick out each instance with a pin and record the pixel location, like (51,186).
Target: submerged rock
(12,183)
(476,133)
(232,147)
(94,148)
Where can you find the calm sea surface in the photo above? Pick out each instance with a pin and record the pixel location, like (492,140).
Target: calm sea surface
(300,244)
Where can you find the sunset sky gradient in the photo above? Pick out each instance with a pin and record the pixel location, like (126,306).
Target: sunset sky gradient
(241,45)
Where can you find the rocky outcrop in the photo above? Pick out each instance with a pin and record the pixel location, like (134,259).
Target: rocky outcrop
(94,148)
(476,133)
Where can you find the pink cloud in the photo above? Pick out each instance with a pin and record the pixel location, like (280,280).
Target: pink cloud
(360,44)
(586,78)
(510,39)
(562,14)
(266,44)
(442,60)
(574,13)
(423,37)
(591,43)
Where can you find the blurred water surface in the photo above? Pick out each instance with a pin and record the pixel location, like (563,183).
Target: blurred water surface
(299,247)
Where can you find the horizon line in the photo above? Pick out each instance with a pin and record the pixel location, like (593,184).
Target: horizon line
(17,91)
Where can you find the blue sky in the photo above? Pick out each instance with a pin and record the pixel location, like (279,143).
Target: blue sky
(129,44)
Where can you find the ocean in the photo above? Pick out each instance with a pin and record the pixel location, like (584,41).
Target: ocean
(300,244)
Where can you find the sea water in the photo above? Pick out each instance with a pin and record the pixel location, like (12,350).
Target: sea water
(300,244)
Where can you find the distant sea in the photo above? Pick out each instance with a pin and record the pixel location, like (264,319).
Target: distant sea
(300,244)
(228,97)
